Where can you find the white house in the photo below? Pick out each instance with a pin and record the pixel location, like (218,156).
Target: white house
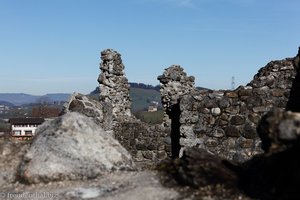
(24,126)
(152,108)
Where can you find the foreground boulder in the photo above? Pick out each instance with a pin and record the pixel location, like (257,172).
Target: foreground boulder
(100,112)
(276,174)
(279,130)
(72,147)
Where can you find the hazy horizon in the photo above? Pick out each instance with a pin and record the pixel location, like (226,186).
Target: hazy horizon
(54,46)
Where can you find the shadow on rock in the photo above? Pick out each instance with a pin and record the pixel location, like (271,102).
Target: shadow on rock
(273,175)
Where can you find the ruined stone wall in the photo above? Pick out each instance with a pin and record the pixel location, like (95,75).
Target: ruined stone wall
(114,87)
(224,122)
(144,142)
(174,84)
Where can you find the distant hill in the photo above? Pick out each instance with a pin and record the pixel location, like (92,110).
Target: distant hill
(144,86)
(202,88)
(58,96)
(141,95)
(19,99)
(8,104)
(141,98)
(132,85)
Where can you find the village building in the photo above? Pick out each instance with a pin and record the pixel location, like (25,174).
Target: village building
(153,107)
(24,127)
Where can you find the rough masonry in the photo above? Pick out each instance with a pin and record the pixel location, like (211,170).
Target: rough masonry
(174,84)
(224,122)
(114,87)
(145,143)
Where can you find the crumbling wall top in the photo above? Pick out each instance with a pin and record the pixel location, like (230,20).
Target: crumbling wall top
(114,87)
(174,84)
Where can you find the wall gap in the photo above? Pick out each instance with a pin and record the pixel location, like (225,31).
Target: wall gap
(174,115)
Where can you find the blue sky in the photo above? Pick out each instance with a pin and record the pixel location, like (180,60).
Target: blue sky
(54,45)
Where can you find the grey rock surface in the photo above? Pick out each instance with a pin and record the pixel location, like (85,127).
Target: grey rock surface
(72,147)
(125,185)
(11,153)
(99,112)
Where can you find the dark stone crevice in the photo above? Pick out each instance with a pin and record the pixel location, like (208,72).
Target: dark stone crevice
(174,115)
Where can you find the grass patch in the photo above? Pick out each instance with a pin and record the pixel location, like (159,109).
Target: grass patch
(141,98)
(151,117)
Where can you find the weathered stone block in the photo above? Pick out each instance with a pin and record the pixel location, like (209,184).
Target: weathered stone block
(139,156)
(204,110)
(229,143)
(249,131)
(224,103)
(211,142)
(244,142)
(232,131)
(245,92)
(277,93)
(221,122)
(210,104)
(216,111)
(254,101)
(231,94)
(161,155)
(260,109)
(151,146)
(141,146)
(148,155)
(237,120)
(217,133)
(232,110)
(161,147)
(253,117)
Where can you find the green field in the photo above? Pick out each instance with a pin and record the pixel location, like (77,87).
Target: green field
(141,98)
(151,117)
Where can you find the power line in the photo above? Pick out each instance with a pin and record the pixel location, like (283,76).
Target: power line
(232,83)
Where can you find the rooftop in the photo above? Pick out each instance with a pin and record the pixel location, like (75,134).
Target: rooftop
(29,120)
